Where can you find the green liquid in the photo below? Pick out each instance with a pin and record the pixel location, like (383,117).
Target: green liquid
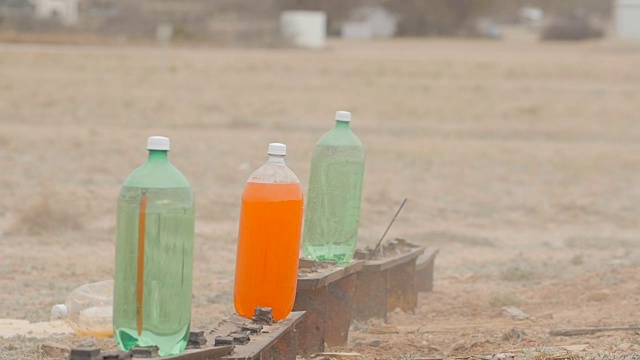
(168,268)
(340,253)
(332,213)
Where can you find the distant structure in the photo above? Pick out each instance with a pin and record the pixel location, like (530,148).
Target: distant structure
(305,28)
(9,9)
(532,17)
(64,10)
(628,19)
(369,22)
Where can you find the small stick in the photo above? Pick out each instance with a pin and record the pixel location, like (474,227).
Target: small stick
(454,357)
(142,225)
(377,248)
(591,330)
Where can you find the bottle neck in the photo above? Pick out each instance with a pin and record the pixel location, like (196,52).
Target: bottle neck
(342,124)
(276,159)
(157,156)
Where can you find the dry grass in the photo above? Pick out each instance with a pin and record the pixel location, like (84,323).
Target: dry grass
(18,37)
(516,273)
(48,212)
(509,152)
(504,299)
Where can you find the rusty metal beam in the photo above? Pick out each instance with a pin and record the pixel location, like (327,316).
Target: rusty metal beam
(326,294)
(338,319)
(284,349)
(313,327)
(424,270)
(259,344)
(371,296)
(276,341)
(401,287)
(212,353)
(386,284)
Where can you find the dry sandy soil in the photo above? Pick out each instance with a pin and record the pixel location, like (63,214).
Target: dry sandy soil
(520,161)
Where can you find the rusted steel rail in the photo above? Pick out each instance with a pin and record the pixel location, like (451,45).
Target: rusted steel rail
(276,341)
(325,293)
(328,297)
(212,353)
(386,284)
(424,270)
(246,340)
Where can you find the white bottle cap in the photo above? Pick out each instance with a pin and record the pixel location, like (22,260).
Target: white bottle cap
(343,116)
(277,149)
(59,311)
(158,143)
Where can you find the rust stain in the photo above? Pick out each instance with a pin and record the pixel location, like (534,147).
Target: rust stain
(142,224)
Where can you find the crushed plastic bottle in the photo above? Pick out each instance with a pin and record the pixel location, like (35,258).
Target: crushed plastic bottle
(88,310)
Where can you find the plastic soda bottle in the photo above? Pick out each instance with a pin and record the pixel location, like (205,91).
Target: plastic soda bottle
(88,310)
(154,255)
(269,238)
(332,213)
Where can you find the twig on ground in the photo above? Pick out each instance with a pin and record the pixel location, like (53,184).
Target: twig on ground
(590,330)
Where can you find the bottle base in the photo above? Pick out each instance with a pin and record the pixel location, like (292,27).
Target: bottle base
(321,253)
(167,344)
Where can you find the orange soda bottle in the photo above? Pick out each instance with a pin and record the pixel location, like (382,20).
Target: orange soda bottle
(269,238)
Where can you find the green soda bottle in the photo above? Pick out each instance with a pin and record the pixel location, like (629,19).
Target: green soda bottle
(154,256)
(332,213)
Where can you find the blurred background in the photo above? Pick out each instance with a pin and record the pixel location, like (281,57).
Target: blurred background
(247,23)
(510,125)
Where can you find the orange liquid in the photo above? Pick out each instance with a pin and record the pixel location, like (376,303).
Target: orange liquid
(268,248)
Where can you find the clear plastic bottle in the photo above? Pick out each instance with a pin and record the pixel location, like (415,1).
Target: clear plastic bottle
(154,255)
(269,238)
(88,310)
(332,214)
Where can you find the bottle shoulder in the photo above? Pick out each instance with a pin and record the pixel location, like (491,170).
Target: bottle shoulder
(273,173)
(339,137)
(157,175)
(341,147)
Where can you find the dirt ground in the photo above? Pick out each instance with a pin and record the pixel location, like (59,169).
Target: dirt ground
(519,159)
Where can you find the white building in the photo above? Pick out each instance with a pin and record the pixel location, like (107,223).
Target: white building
(369,22)
(628,19)
(64,10)
(305,28)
